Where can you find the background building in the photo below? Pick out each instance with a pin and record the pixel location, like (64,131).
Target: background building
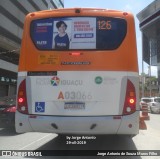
(149,19)
(12,17)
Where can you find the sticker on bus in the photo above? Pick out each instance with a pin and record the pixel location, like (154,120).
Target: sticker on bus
(40,107)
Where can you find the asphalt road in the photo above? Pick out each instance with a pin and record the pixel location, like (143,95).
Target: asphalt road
(146,140)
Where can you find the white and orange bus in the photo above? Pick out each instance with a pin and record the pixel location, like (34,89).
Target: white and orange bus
(78,73)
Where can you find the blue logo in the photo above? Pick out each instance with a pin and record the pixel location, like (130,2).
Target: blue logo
(40,107)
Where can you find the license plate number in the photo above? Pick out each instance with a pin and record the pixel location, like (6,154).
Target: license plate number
(74,105)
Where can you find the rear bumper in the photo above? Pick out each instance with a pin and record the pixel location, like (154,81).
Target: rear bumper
(78,125)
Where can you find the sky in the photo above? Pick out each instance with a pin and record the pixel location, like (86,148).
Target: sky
(134,6)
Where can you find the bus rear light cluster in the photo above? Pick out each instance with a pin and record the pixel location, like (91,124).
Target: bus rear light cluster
(22,105)
(32,14)
(130,99)
(20,100)
(75,54)
(125,13)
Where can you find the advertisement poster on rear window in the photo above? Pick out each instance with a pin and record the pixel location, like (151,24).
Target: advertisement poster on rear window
(64,33)
(101,33)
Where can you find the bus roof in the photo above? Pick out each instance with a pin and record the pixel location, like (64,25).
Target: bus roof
(80,12)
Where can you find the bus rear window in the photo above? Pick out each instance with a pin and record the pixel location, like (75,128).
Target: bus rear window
(71,33)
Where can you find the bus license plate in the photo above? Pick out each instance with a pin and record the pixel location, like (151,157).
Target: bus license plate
(74,105)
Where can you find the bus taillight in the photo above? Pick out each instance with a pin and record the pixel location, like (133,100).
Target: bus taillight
(125,13)
(130,99)
(22,105)
(20,100)
(75,54)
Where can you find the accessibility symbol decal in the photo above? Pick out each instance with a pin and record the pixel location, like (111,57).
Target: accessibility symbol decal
(40,107)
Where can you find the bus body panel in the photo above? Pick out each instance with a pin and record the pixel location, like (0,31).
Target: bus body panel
(123,58)
(106,119)
(78,91)
(79,125)
(81,93)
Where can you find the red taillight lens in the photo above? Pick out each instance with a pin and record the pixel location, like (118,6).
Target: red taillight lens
(125,13)
(130,99)
(75,54)
(20,100)
(22,106)
(10,110)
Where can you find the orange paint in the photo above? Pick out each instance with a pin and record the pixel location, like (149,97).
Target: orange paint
(123,58)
